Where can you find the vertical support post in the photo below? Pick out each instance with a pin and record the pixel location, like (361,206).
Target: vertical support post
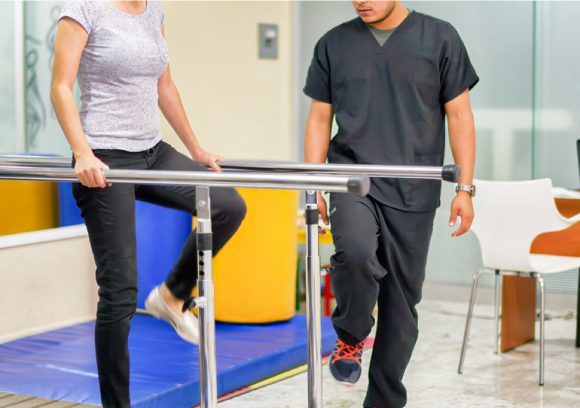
(496,314)
(205,301)
(313,302)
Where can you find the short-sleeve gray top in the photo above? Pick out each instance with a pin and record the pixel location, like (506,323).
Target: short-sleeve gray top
(118,74)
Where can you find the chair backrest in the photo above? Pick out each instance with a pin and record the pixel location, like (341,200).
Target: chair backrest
(508,216)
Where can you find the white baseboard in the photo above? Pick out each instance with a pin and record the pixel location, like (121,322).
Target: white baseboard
(460,293)
(45,328)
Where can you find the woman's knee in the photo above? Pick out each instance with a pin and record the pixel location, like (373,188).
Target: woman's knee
(229,206)
(117,305)
(117,283)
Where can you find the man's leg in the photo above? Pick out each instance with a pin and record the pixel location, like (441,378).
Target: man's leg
(355,267)
(403,250)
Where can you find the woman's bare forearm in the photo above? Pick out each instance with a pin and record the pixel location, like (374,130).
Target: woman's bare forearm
(173,110)
(68,116)
(70,42)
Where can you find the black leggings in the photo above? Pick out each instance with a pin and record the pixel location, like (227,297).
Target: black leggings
(109,214)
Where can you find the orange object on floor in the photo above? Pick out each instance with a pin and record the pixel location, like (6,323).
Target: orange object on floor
(27,206)
(328,293)
(255,273)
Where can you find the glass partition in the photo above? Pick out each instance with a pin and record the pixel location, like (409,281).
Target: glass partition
(557,105)
(8,142)
(557,92)
(43,133)
(498,38)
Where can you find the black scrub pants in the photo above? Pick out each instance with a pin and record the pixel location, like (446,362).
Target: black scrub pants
(109,214)
(381,254)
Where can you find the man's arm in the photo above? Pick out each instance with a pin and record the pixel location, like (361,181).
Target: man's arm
(462,140)
(317,140)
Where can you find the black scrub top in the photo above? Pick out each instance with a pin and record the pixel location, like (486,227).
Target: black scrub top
(388,101)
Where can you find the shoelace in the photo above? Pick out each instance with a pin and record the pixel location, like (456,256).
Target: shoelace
(345,351)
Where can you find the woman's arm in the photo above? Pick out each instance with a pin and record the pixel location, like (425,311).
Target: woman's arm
(71,39)
(172,108)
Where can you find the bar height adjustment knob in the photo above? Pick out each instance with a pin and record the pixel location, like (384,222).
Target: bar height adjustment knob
(451,173)
(359,185)
(192,303)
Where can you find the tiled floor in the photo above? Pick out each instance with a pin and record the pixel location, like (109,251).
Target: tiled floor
(506,380)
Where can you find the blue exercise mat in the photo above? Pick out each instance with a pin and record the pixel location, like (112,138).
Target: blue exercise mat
(60,364)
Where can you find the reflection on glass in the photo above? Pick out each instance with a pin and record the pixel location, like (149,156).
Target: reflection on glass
(557,96)
(42,129)
(557,105)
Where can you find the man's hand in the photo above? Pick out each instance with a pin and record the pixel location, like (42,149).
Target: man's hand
(209,159)
(461,206)
(322,209)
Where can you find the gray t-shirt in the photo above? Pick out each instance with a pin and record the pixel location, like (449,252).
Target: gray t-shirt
(118,74)
(381,35)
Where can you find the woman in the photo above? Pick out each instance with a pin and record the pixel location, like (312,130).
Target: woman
(117,52)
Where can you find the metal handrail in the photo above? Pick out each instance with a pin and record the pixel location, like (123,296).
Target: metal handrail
(337,183)
(34,160)
(450,173)
(205,301)
(281,175)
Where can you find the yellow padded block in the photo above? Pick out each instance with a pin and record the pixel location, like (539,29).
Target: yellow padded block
(255,273)
(27,206)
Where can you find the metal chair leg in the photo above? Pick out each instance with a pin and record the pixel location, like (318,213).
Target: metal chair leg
(542,332)
(496,311)
(468,321)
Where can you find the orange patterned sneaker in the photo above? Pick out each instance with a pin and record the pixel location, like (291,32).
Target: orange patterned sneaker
(345,362)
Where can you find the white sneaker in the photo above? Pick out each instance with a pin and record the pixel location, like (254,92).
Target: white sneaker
(185,324)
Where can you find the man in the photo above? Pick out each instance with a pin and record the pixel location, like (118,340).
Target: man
(389,77)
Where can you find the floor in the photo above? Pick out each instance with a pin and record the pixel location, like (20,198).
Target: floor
(24,401)
(506,380)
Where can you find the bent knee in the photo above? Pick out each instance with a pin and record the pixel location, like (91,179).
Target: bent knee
(237,207)
(356,254)
(229,206)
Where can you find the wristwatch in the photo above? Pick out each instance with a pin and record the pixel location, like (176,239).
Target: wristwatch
(468,188)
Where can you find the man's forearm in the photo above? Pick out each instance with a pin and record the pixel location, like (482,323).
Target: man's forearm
(462,141)
(317,137)
(316,143)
